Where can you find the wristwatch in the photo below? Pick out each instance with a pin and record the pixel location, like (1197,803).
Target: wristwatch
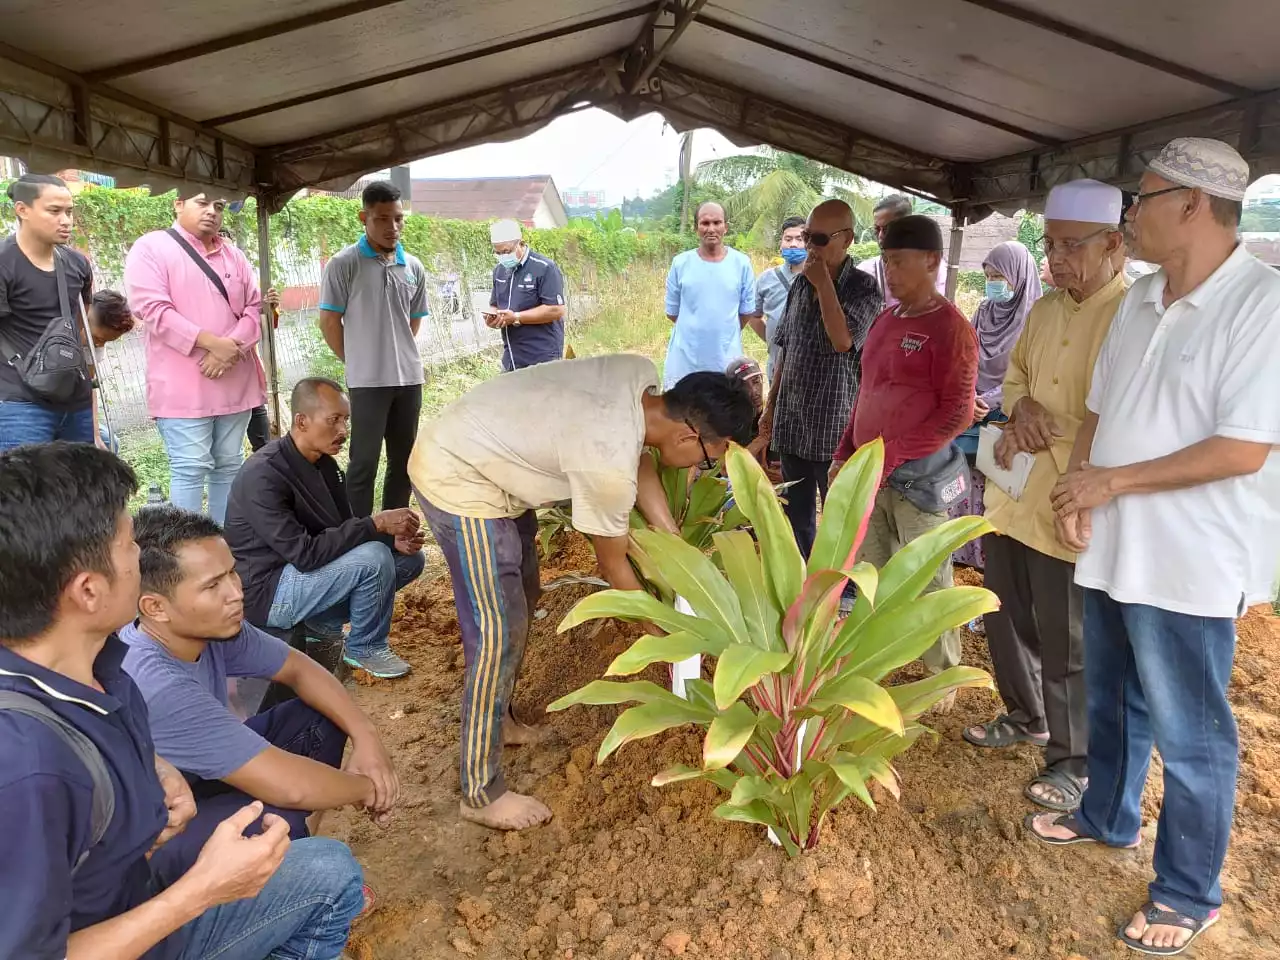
(516,320)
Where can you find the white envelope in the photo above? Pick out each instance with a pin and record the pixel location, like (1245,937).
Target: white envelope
(1012,481)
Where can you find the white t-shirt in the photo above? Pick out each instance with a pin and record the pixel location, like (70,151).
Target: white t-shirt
(1209,365)
(565,430)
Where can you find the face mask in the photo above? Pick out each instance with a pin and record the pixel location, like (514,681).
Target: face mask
(509,260)
(794,255)
(998,290)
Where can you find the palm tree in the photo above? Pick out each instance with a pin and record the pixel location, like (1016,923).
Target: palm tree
(770,185)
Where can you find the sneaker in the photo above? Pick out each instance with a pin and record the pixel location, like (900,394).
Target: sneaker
(846,606)
(382,664)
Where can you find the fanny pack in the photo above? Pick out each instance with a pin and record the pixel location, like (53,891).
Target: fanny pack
(933,483)
(53,370)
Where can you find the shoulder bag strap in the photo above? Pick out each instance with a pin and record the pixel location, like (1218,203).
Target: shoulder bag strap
(200,262)
(60,273)
(104,795)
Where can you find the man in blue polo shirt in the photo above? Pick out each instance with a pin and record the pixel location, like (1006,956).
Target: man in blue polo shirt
(527,303)
(69,578)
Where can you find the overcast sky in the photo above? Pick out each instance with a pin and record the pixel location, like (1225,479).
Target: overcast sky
(592,149)
(595,150)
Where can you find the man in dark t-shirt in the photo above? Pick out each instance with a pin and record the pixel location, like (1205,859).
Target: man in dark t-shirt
(527,303)
(29,303)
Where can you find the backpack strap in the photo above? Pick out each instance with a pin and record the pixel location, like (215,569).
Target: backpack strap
(200,262)
(104,795)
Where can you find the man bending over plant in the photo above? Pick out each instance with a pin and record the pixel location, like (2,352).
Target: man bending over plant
(569,430)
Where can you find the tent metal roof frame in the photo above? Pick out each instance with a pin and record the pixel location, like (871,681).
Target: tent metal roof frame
(54,117)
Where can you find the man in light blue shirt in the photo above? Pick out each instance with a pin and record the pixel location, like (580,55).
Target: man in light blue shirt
(773,286)
(711,296)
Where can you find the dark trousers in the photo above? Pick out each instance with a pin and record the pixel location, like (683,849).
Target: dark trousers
(494,568)
(293,727)
(381,414)
(1037,647)
(801,507)
(259,431)
(1159,678)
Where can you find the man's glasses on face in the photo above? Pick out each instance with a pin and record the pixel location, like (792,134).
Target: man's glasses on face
(822,239)
(708,461)
(1068,247)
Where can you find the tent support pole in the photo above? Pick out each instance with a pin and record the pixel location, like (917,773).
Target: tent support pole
(958,217)
(268,342)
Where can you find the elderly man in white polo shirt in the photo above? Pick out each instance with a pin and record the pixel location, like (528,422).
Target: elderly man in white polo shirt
(1172,497)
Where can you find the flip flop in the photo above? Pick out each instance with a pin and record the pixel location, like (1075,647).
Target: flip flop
(370,902)
(1071,787)
(1069,821)
(1003,732)
(1156,917)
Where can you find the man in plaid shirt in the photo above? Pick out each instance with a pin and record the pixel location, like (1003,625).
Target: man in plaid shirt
(828,315)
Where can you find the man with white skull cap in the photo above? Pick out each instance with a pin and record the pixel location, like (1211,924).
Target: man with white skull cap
(1036,638)
(1173,497)
(527,302)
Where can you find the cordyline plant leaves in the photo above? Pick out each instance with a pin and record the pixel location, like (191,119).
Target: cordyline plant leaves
(797,717)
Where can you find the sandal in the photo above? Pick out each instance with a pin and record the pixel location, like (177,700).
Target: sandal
(370,902)
(1068,785)
(1069,821)
(1155,917)
(1002,732)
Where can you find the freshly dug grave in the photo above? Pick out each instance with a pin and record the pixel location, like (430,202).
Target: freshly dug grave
(629,871)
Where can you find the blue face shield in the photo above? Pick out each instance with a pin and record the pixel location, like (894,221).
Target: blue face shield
(998,291)
(794,255)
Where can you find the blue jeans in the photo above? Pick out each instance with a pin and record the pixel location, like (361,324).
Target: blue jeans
(22,422)
(303,913)
(359,587)
(1156,677)
(293,727)
(203,450)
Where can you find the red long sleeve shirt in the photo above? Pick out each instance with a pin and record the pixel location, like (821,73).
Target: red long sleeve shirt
(918,380)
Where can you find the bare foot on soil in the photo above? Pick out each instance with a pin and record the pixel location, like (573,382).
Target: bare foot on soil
(511,811)
(944,706)
(517,734)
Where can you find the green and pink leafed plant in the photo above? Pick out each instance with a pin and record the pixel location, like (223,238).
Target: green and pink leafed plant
(797,716)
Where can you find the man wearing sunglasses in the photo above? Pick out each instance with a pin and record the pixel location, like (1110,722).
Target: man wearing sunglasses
(571,430)
(828,314)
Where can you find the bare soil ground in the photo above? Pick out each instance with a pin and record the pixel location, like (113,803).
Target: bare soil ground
(631,872)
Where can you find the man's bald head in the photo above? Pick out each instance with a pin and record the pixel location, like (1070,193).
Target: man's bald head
(311,393)
(830,232)
(710,223)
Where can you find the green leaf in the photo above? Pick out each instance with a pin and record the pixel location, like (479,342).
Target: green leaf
(818,601)
(740,667)
(914,699)
(752,789)
(707,497)
(727,735)
(648,572)
(890,639)
(847,509)
(863,697)
(734,518)
(737,551)
(784,567)
(603,693)
(724,779)
(867,579)
(756,812)
(694,577)
(645,720)
(853,773)
(671,648)
(911,569)
(636,605)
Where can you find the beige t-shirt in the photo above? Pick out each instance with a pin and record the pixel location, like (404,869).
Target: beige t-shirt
(567,430)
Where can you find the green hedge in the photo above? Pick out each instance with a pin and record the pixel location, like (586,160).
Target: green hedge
(107,221)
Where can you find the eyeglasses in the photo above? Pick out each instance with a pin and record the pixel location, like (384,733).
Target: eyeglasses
(708,461)
(1139,197)
(1068,247)
(822,239)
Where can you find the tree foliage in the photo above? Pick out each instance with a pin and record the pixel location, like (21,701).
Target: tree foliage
(766,187)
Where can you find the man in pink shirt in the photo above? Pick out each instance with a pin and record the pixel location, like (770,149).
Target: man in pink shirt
(199,304)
